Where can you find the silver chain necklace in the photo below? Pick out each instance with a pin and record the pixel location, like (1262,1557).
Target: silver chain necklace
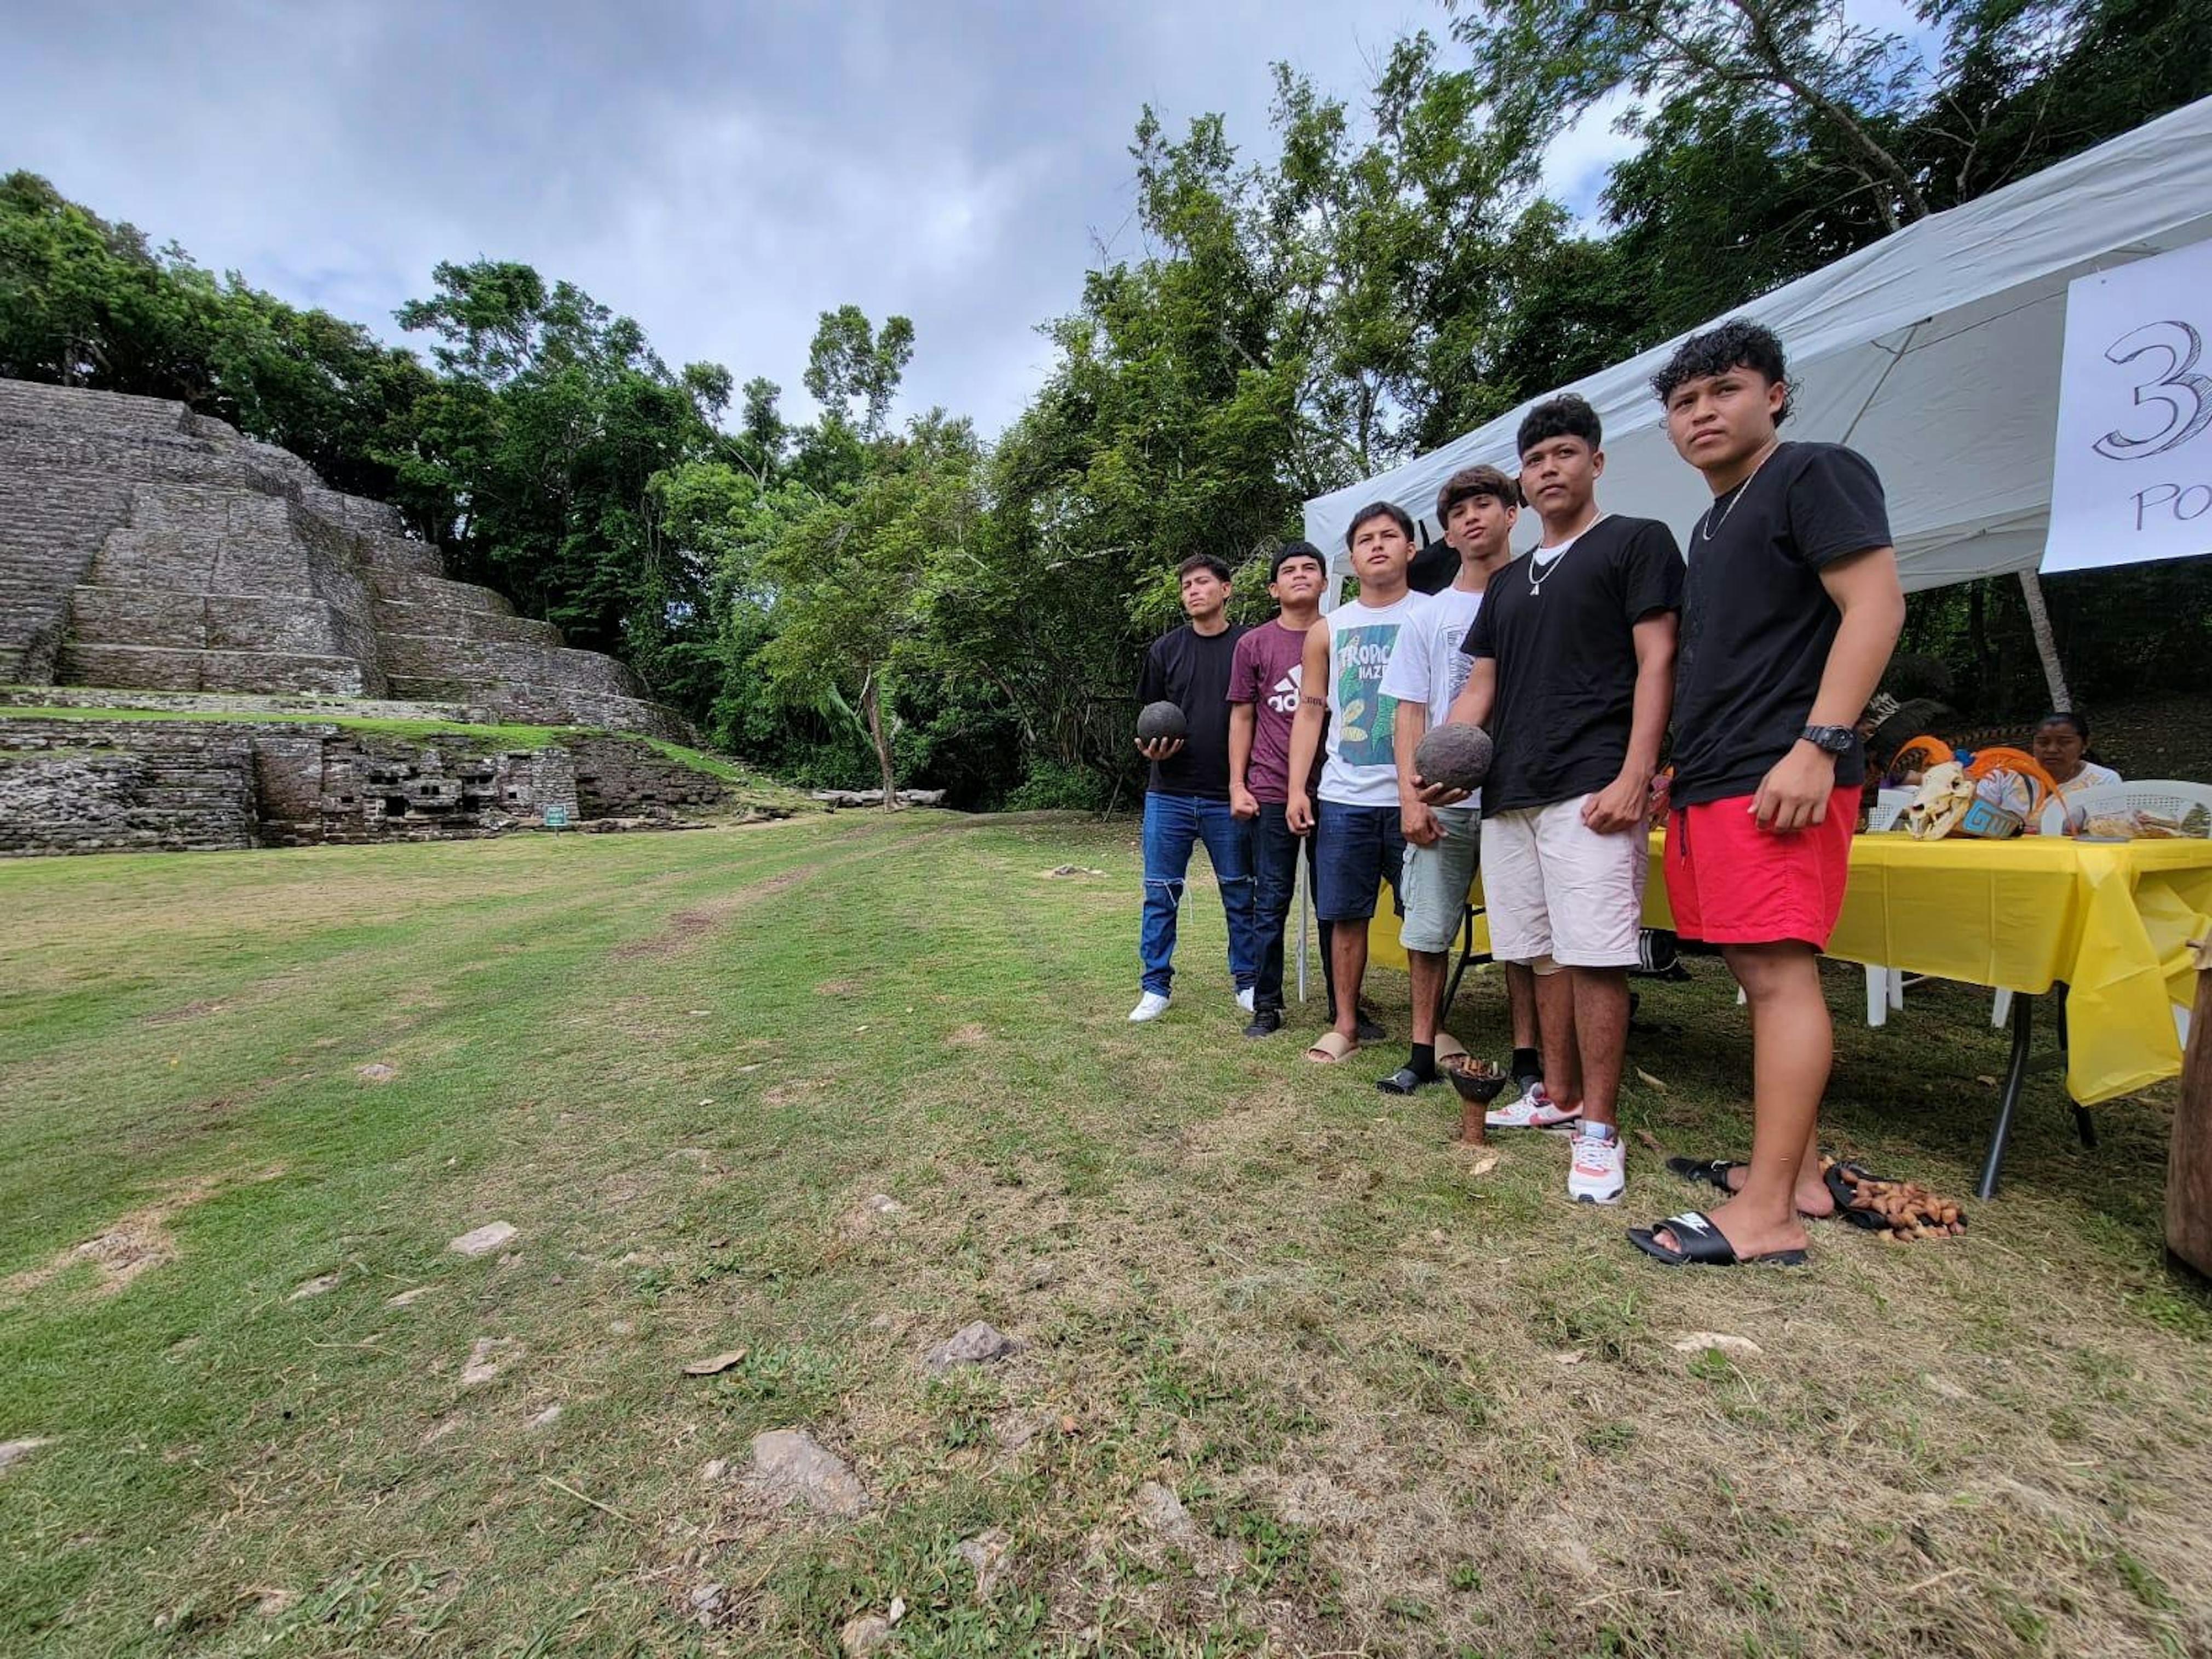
(1537,577)
(1708,525)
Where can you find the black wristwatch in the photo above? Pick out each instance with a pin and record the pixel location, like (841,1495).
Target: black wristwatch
(1830,739)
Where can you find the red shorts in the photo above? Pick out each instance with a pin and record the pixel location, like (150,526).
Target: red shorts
(1730,882)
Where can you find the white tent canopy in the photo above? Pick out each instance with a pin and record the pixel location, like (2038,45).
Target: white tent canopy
(1935,353)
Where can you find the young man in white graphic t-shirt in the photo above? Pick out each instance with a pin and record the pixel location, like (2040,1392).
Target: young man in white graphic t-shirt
(1477,506)
(1356,815)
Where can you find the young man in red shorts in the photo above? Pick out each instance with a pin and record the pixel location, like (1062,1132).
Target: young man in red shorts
(1788,614)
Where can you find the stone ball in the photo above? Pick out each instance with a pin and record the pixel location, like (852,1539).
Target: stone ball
(1457,756)
(1161,720)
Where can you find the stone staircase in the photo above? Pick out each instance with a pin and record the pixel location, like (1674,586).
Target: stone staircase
(146,548)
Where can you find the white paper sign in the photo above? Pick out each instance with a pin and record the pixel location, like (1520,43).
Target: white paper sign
(2132,478)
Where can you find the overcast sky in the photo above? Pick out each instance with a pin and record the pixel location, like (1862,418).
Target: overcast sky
(722,173)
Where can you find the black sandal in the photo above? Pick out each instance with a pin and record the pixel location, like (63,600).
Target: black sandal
(1713,1172)
(1403,1081)
(1701,1244)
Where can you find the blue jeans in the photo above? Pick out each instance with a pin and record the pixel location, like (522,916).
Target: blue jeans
(1360,848)
(1173,824)
(1275,871)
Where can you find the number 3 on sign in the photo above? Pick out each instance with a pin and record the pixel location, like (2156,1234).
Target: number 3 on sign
(2183,394)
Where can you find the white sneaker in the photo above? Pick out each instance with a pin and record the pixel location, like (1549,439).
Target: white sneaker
(1533,1110)
(1244,999)
(1151,1005)
(1599,1174)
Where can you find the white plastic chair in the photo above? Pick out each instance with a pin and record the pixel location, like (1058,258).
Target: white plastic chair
(1886,986)
(2170,797)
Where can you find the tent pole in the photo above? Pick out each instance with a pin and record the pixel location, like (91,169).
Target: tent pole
(2046,645)
(1304,910)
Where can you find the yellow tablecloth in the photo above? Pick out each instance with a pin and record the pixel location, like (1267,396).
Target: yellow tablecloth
(2112,920)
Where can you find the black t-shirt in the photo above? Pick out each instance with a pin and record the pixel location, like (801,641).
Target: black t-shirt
(1757,624)
(1564,640)
(1191,670)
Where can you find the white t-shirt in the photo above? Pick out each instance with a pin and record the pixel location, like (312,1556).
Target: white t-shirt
(2091,777)
(1362,769)
(1428,666)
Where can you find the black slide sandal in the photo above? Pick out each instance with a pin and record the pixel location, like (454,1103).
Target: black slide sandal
(1703,1245)
(1403,1081)
(1711,1171)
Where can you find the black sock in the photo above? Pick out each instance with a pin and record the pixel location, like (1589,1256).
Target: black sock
(1423,1061)
(1526,1062)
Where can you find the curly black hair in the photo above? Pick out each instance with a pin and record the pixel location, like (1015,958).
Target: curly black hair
(1564,416)
(1736,343)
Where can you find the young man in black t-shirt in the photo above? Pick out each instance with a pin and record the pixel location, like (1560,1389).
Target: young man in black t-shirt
(1791,609)
(1188,799)
(1574,656)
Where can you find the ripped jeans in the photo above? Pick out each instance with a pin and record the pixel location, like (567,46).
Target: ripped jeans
(1173,823)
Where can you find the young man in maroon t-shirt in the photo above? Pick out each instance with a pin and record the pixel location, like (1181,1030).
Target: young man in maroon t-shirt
(1264,678)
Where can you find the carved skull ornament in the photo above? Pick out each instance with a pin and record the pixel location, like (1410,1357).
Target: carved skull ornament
(1945,794)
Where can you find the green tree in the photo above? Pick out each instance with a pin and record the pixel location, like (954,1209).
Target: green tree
(854,577)
(852,371)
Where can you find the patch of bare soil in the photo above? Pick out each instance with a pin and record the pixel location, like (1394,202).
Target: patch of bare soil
(136,1243)
(199,1008)
(687,927)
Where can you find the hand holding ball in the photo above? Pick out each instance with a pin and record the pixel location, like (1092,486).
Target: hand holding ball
(1453,757)
(1161,722)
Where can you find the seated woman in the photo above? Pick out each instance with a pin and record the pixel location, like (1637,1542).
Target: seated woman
(2062,745)
(2059,746)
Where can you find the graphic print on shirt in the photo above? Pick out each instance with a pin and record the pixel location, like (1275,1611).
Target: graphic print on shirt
(1283,695)
(1366,715)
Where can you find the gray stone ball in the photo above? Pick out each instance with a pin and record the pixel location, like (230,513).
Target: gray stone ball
(1457,756)
(1159,721)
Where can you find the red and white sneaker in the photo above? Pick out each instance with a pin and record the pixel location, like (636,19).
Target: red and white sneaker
(1599,1174)
(1532,1110)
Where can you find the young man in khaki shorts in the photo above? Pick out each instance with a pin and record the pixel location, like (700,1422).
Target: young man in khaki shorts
(1428,670)
(1573,677)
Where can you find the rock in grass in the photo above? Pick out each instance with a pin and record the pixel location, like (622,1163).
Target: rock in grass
(316,1287)
(483,1240)
(486,1355)
(1457,756)
(789,1461)
(986,1552)
(864,1635)
(971,1345)
(1161,1512)
(1738,1347)
(14,1451)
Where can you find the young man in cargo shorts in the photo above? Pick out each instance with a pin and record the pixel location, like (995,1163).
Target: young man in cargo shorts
(1791,609)
(1574,657)
(1428,670)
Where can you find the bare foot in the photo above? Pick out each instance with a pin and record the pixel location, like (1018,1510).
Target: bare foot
(1815,1202)
(1749,1239)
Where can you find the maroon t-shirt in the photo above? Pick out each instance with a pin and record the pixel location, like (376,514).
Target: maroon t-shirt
(1269,663)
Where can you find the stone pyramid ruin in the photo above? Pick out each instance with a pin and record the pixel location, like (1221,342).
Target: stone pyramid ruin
(145,548)
(202,646)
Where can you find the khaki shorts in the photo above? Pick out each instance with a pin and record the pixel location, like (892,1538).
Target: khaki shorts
(1437,880)
(1554,887)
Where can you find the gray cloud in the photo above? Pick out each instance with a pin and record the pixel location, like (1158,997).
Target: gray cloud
(722,173)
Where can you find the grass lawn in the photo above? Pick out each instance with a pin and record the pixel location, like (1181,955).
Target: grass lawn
(1408,1405)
